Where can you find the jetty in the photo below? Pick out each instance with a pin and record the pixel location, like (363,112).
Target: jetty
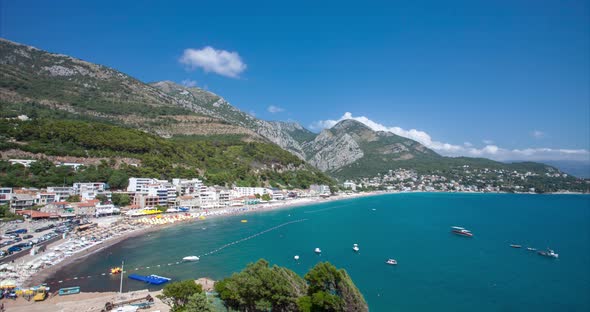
(150,279)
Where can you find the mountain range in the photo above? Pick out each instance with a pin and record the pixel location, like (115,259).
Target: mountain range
(33,77)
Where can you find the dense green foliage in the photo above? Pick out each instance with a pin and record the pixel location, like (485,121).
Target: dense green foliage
(331,289)
(120,200)
(198,303)
(260,287)
(219,163)
(185,296)
(7,215)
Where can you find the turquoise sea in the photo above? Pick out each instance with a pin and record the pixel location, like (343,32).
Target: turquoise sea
(437,270)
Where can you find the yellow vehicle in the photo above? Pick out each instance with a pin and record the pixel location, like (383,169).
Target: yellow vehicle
(40,294)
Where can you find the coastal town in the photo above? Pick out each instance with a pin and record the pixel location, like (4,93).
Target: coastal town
(466,179)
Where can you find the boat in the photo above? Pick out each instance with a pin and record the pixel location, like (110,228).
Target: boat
(355,247)
(548,253)
(531,248)
(69,291)
(317,250)
(190,258)
(515,246)
(244,221)
(116,270)
(150,279)
(296,257)
(391,261)
(461,231)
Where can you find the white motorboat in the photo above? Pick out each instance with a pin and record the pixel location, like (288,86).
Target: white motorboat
(296,257)
(391,261)
(355,247)
(190,258)
(549,253)
(317,250)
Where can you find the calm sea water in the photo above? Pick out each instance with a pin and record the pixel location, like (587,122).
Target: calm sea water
(436,270)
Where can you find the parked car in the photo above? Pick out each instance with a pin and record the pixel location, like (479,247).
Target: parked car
(27,236)
(14,249)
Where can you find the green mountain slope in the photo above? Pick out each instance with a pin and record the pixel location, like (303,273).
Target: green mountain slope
(135,153)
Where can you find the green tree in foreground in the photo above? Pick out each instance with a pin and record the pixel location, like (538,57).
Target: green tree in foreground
(185,296)
(262,288)
(331,289)
(198,303)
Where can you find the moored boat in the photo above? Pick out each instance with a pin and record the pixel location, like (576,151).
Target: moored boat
(317,250)
(355,247)
(391,261)
(515,246)
(296,257)
(190,258)
(116,270)
(461,231)
(548,253)
(531,248)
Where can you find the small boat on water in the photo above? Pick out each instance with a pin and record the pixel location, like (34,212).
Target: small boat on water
(391,261)
(116,270)
(461,231)
(548,253)
(515,246)
(317,250)
(190,258)
(296,257)
(244,221)
(531,249)
(69,291)
(355,247)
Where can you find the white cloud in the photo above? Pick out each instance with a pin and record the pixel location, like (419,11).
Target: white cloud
(537,134)
(488,142)
(221,62)
(275,109)
(467,149)
(189,83)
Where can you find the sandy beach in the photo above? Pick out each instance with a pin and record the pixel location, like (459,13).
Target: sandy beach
(46,273)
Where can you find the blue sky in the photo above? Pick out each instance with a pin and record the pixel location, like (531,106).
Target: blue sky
(501,79)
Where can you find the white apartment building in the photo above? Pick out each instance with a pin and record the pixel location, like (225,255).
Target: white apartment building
(61,192)
(5,195)
(319,189)
(249,191)
(187,187)
(89,190)
(349,185)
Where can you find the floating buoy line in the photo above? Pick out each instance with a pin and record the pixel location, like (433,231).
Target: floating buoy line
(214,251)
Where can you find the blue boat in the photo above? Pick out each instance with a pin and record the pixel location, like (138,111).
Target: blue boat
(69,291)
(150,279)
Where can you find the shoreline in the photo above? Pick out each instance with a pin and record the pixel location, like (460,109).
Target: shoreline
(46,273)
